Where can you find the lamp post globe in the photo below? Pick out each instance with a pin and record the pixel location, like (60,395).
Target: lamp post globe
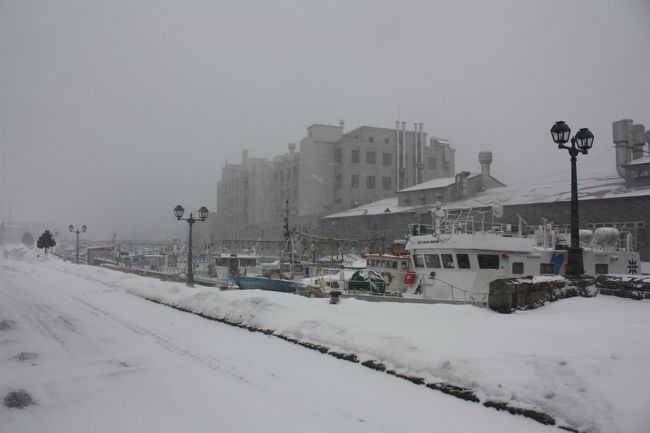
(560,132)
(585,139)
(203,213)
(580,143)
(70,228)
(179,211)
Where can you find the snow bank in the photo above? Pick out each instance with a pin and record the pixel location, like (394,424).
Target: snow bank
(582,360)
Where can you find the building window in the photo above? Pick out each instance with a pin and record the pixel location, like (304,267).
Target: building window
(339,181)
(517,268)
(354,156)
(354,181)
(371,139)
(602,268)
(387,183)
(386,159)
(370,157)
(546,269)
(370,182)
(338,155)
(447,261)
(488,261)
(386,140)
(445,165)
(295,171)
(432,162)
(463,261)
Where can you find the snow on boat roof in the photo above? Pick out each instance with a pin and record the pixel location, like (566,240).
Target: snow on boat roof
(531,191)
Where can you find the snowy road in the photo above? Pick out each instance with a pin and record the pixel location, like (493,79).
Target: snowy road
(97,359)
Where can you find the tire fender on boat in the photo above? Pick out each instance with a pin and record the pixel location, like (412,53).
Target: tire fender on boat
(388,277)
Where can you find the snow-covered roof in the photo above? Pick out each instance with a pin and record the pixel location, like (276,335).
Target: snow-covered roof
(527,192)
(436,183)
(431,184)
(638,161)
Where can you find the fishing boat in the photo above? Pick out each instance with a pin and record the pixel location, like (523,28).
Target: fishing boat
(285,275)
(457,256)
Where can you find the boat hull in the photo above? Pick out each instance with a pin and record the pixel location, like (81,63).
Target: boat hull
(274,285)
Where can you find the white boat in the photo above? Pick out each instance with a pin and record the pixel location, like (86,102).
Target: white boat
(457,256)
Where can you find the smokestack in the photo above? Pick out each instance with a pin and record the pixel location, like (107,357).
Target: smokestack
(638,141)
(485,159)
(244,156)
(402,173)
(421,154)
(292,148)
(397,153)
(416,154)
(622,133)
(341,124)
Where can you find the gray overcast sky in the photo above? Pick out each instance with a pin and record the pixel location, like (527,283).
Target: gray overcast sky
(112,112)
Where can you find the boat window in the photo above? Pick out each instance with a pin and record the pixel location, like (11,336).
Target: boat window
(382,264)
(419,260)
(517,268)
(602,268)
(394,265)
(463,261)
(447,261)
(247,262)
(488,261)
(222,261)
(405,266)
(432,260)
(547,268)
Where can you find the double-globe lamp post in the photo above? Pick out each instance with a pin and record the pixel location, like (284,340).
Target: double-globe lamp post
(580,143)
(77,231)
(203,214)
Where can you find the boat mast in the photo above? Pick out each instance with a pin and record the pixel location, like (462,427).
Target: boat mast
(287,237)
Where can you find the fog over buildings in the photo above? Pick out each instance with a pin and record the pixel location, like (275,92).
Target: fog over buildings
(113,112)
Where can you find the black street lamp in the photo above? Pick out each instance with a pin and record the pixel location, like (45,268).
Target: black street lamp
(203,214)
(580,143)
(77,231)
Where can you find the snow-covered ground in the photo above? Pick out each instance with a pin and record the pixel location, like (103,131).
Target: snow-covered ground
(104,360)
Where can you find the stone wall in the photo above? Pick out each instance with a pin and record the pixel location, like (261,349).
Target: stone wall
(624,286)
(511,294)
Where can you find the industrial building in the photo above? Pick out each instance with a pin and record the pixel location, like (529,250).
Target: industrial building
(330,172)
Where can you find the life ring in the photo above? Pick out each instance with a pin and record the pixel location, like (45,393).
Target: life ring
(388,278)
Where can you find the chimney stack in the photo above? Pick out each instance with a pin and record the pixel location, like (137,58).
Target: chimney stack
(485,159)
(623,131)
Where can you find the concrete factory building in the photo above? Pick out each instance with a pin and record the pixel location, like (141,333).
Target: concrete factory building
(332,171)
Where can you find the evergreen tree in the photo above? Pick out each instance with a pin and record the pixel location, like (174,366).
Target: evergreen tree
(27,239)
(46,241)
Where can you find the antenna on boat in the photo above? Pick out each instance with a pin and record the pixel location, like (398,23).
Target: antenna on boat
(521,223)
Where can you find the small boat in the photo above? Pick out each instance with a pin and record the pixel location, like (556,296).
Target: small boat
(267,283)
